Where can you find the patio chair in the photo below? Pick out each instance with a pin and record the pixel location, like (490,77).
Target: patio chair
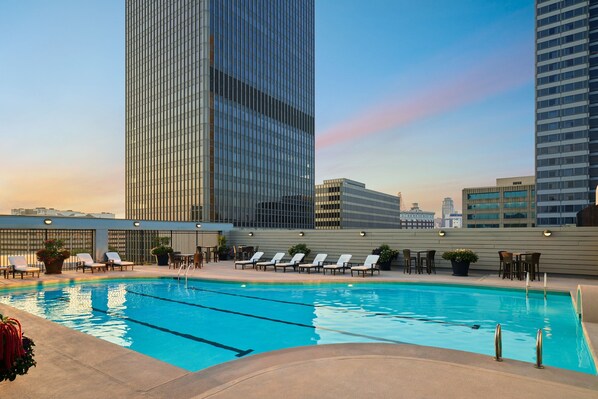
(86,262)
(115,260)
(294,262)
(174,260)
(408,261)
(277,258)
(501,263)
(316,264)
(508,265)
(251,262)
(429,261)
(531,264)
(341,264)
(369,265)
(198,260)
(19,265)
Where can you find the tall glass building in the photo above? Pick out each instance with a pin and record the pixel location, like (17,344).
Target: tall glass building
(220,111)
(566,108)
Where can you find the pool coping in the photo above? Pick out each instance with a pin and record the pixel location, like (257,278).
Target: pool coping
(87,357)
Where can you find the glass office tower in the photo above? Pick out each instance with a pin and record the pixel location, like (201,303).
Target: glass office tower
(566,108)
(220,111)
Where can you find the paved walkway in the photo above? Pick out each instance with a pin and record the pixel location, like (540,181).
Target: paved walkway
(72,364)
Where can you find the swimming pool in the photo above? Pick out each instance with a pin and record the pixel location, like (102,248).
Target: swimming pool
(207,323)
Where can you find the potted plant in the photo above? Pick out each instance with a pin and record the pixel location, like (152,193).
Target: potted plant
(223,249)
(386,254)
(161,250)
(460,260)
(53,255)
(299,248)
(16,350)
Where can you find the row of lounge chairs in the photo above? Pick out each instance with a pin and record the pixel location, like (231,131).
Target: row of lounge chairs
(18,264)
(319,263)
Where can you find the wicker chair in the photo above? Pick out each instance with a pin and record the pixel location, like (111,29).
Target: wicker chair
(408,261)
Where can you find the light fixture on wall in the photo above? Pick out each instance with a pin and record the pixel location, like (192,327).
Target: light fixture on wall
(362,233)
(547,233)
(136,223)
(301,234)
(198,225)
(48,221)
(441,233)
(250,234)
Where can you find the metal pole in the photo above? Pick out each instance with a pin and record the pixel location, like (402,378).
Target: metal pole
(539,350)
(498,343)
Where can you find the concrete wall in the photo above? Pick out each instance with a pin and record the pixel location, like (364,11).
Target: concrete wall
(569,250)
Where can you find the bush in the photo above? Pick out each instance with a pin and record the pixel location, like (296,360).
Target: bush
(386,254)
(299,248)
(461,255)
(162,246)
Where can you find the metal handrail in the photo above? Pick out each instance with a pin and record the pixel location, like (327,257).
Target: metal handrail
(498,343)
(539,350)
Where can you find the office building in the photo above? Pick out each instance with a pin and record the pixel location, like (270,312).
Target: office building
(41,211)
(453,220)
(416,218)
(566,108)
(347,204)
(511,203)
(220,112)
(448,207)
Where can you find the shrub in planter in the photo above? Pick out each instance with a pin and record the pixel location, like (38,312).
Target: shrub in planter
(299,248)
(16,350)
(53,255)
(223,249)
(386,254)
(161,250)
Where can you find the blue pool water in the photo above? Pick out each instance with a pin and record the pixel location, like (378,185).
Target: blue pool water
(207,323)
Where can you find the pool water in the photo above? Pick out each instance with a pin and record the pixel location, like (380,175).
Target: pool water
(207,323)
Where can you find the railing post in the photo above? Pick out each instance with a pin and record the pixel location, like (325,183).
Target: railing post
(498,343)
(539,350)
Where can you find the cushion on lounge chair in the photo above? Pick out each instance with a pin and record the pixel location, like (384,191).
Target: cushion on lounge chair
(256,256)
(277,258)
(19,264)
(341,263)
(368,265)
(115,258)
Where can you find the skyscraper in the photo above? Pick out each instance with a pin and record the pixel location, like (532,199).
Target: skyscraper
(220,111)
(566,108)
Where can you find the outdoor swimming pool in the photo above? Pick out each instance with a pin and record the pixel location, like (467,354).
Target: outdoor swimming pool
(206,323)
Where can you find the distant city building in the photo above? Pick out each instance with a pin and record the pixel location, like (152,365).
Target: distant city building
(566,109)
(511,203)
(453,221)
(415,218)
(448,207)
(347,204)
(58,212)
(219,112)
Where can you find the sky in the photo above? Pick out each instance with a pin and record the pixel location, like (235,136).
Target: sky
(420,97)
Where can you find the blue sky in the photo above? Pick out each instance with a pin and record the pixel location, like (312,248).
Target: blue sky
(422,97)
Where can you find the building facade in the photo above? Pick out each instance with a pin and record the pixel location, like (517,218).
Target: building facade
(566,108)
(347,204)
(511,203)
(416,218)
(220,112)
(57,212)
(453,220)
(448,207)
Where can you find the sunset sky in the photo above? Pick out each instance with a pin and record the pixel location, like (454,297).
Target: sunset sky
(420,97)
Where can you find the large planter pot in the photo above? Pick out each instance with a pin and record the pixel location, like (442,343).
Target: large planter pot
(162,260)
(460,268)
(384,265)
(54,267)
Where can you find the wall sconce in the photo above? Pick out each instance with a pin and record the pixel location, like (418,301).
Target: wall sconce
(250,234)
(198,225)
(362,233)
(136,223)
(547,233)
(441,233)
(301,234)
(48,221)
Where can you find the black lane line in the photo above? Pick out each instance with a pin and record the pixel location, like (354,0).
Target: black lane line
(239,352)
(292,323)
(474,326)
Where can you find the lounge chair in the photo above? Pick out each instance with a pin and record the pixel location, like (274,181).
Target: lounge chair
(86,262)
(317,264)
(294,262)
(341,264)
(251,262)
(19,265)
(369,265)
(114,260)
(275,259)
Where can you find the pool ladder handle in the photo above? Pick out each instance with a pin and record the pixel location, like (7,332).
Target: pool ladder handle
(498,344)
(186,266)
(539,350)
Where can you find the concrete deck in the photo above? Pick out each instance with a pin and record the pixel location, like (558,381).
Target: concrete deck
(73,364)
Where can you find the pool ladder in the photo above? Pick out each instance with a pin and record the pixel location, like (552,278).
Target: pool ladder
(187,266)
(498,346)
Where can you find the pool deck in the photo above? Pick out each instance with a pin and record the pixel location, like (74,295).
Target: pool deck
(72,364)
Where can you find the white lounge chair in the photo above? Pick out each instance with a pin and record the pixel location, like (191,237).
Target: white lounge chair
(341,264)
(86,262)
(114,260)
(251,262)
(317,263)
(275,259)
(294,262)
(19,265)
(369,265)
